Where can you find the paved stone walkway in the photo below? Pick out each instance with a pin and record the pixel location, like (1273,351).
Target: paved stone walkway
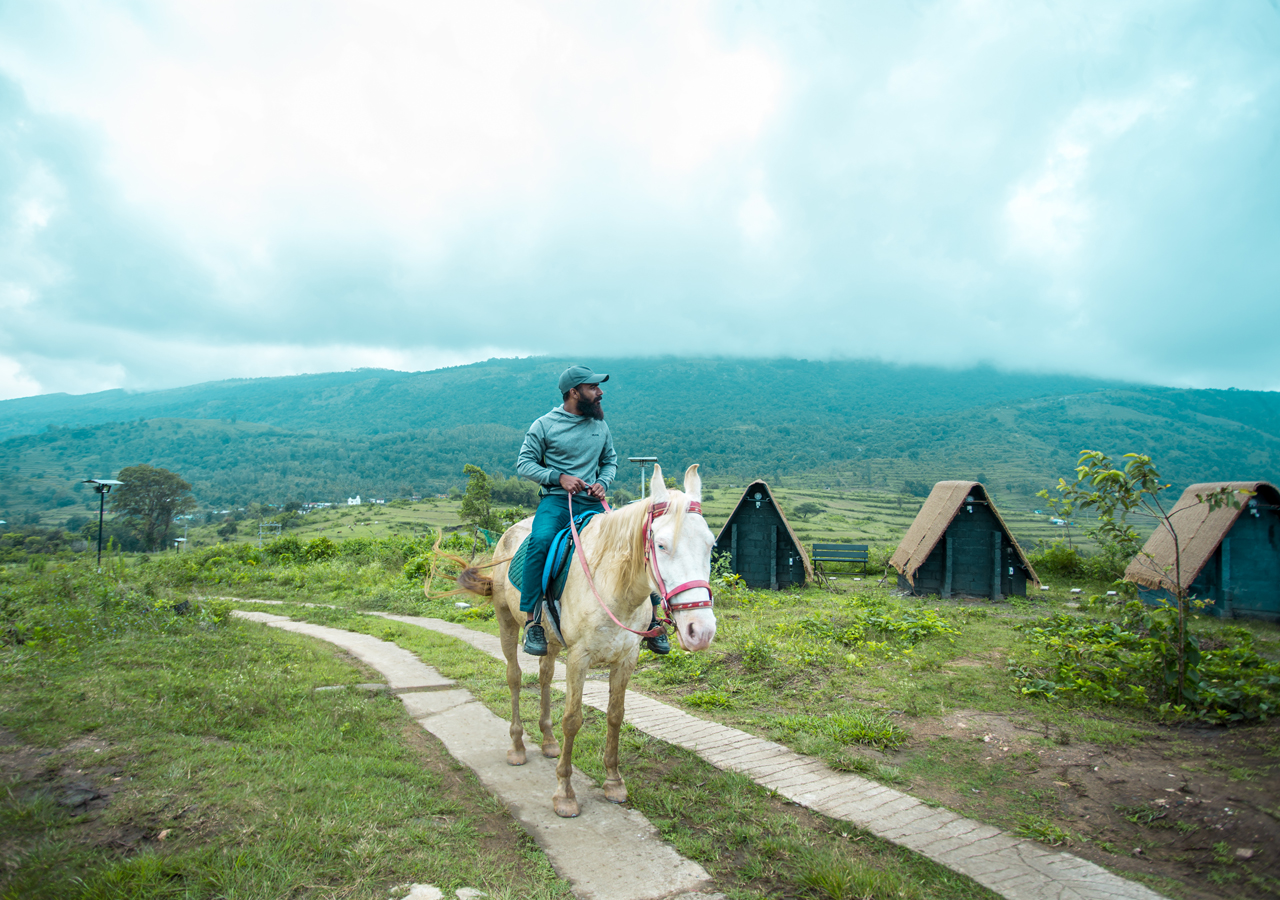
(1015,868)
(641,865)
(1012,867)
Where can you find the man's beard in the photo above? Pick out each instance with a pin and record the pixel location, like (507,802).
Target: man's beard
(593,409)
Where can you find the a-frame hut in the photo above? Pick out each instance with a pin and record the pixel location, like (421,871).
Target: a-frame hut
(763,548)
(959,545)
(1229,557)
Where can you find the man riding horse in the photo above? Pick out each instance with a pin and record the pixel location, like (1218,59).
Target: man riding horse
(569,451)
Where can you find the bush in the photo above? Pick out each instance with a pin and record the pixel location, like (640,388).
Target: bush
(1134,662)
(1059,560)
(320,549)
(285,549)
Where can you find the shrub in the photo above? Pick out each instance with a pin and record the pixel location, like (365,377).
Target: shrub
(284,549)
(1135,662)
(320,549)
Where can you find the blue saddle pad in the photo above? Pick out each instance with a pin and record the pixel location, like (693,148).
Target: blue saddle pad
(556,570)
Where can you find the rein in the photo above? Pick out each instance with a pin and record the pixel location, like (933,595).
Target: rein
(655,511)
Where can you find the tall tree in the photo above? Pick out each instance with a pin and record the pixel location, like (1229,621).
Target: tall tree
(477,503)
(149,500)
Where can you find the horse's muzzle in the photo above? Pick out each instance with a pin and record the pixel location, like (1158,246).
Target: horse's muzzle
(695,628)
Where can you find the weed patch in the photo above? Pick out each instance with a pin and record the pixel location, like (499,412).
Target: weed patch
(865,727)
(1132,662)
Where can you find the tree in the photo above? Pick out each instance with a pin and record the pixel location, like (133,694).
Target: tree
(917,488)
(149,500)
(477,504)
(1135,490)
(807,509)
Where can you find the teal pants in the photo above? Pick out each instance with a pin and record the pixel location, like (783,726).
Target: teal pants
(552,515)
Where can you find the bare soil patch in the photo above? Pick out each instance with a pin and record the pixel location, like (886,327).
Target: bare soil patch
(1197,805)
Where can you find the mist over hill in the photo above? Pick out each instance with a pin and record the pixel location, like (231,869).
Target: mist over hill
(386,433)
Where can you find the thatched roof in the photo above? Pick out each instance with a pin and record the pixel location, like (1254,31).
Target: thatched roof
(763,486)
(1200,532)
(933,520)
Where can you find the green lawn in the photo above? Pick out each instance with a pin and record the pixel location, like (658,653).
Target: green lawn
(209,766)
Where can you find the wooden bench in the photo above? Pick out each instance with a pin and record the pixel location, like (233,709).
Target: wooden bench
(838,553)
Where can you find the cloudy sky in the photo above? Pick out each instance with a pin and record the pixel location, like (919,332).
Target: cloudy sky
(200,190)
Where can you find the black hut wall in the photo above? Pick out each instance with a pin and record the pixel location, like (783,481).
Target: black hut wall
(1242,578)
(973,538)
(761,546)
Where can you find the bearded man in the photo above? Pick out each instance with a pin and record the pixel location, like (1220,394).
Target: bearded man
(569,451)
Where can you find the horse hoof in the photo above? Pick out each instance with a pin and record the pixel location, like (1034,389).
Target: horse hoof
(551,750)
(615,791)
(515,757)
(566,807)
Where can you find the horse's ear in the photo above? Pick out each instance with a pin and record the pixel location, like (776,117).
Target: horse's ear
(693,483)
(657,487)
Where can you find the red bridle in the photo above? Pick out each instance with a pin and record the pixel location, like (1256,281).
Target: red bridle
(656,510)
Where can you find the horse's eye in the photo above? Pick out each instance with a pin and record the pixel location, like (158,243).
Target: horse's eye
(662,547)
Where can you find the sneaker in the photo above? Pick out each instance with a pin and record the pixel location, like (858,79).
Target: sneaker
(658,643)
(535,640)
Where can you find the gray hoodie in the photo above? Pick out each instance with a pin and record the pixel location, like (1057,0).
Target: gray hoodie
(561,443)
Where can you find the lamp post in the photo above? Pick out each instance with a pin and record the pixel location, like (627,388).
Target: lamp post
(644,461)
(103,486)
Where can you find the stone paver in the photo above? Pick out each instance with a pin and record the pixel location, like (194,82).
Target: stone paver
(609,852)
(1014,868)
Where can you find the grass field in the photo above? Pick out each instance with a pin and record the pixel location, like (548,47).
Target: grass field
(920,693)
(150,754)
(875,517)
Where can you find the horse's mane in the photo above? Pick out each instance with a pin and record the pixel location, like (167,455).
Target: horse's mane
(619,537)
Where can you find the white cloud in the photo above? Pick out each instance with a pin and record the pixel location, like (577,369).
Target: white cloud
(14,382)
(175,363)
(247,186)
(398,117)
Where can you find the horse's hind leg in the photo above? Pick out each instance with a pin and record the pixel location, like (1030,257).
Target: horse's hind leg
(615,788)
(564,801)
(509,634)
(546,674)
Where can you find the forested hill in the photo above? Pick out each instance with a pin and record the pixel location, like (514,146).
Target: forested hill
(643,393)
(858,423)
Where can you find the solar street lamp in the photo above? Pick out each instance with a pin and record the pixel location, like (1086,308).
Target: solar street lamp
(103,486)
(644,461)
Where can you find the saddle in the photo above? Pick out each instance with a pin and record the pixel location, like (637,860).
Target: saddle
(555,573)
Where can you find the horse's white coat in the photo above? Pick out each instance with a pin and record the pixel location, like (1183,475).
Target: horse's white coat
(613,544)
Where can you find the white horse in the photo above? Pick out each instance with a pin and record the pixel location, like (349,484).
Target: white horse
(645,545)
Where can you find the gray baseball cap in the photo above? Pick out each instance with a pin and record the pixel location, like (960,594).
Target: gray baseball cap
(573,376)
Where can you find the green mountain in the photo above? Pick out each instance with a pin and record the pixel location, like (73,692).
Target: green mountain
(384,433)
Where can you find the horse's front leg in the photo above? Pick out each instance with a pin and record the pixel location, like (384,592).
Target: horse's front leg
(564,801)
(509,634)
(546,674)
(615,788)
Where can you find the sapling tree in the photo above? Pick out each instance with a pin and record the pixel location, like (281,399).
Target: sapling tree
(1135,489)
(477,504)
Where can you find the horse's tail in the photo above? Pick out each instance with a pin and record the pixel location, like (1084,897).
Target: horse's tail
(471,579)
(474,581)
